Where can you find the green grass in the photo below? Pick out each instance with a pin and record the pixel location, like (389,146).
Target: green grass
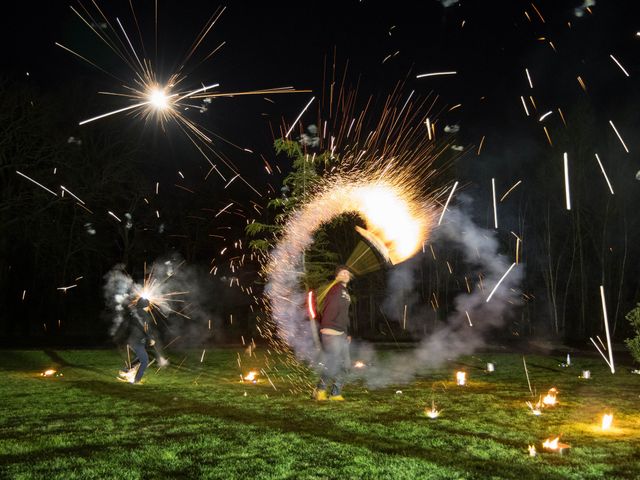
(196,422)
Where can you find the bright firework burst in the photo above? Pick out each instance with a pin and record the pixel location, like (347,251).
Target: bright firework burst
(155,96)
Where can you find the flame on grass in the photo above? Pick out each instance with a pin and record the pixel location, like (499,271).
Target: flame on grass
(607,420)
(550,399)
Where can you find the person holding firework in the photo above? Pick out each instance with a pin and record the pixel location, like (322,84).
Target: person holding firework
(139,337)
(334,333)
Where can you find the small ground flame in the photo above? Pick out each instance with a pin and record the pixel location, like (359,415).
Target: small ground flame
(607,420)
(461,378)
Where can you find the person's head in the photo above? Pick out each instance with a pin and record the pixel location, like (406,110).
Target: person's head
(343,274)
(142,303)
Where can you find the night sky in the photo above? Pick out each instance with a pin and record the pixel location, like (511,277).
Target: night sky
(275,44)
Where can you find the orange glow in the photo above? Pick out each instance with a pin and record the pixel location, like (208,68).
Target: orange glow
(461,378)
(607,420)
(310,305)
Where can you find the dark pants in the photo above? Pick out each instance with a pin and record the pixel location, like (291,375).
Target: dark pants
(336,362)
(141,356)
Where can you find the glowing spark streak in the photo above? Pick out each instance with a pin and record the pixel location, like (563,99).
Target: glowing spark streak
(66,288)
(606,329)
(567,193)
(404,318)
(130,107)
(538,12)
(428,123)
(604,173)
(468,318)
(526,110)
(509,191)
(223,209)
(526,371)
(500,281)
(600,352)
(299,116)
(39,184)
(545,115)
(435,74)
(229,182)
(130,44)
(495,209)
(618,63)
(481,143)
(619,137)
(70,193)
(114,216)
(203,89)
(562,117)
(312,312)
(447,202)
(528,77)
(202,357)
(546,132)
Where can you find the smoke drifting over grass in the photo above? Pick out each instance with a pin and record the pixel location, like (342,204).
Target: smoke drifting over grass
(455,336)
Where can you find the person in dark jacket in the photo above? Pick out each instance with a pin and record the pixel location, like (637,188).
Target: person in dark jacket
(139,337)
(334,332)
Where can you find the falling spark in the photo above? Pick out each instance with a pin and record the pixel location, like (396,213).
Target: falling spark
(39,184)
(567,193)
(500,281)
(528,77)
(299,116)
(64,289)
(447,203)
(509,191)
(600,352)
(70,193)
(495,209)
(546,132)
(619,64)
(468,318)
(581,82)
(202,357)
(221,211)
(435,74)
(526,371)
(404,318)
(562,116)
(114,216)
(524,104)
(480,147)
(428,123)
(545,115)
(606,329)
(619,137)
(605,174)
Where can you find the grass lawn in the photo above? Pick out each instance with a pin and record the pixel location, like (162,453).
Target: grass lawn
(197,420)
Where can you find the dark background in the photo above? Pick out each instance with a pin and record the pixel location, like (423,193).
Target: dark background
(44,241)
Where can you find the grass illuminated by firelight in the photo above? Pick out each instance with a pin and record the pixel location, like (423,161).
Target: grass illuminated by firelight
(193,420)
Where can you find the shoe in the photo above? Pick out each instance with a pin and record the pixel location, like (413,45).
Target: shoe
(336,398)
(320,395)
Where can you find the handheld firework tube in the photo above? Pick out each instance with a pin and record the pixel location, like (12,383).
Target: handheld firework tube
(393,213)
